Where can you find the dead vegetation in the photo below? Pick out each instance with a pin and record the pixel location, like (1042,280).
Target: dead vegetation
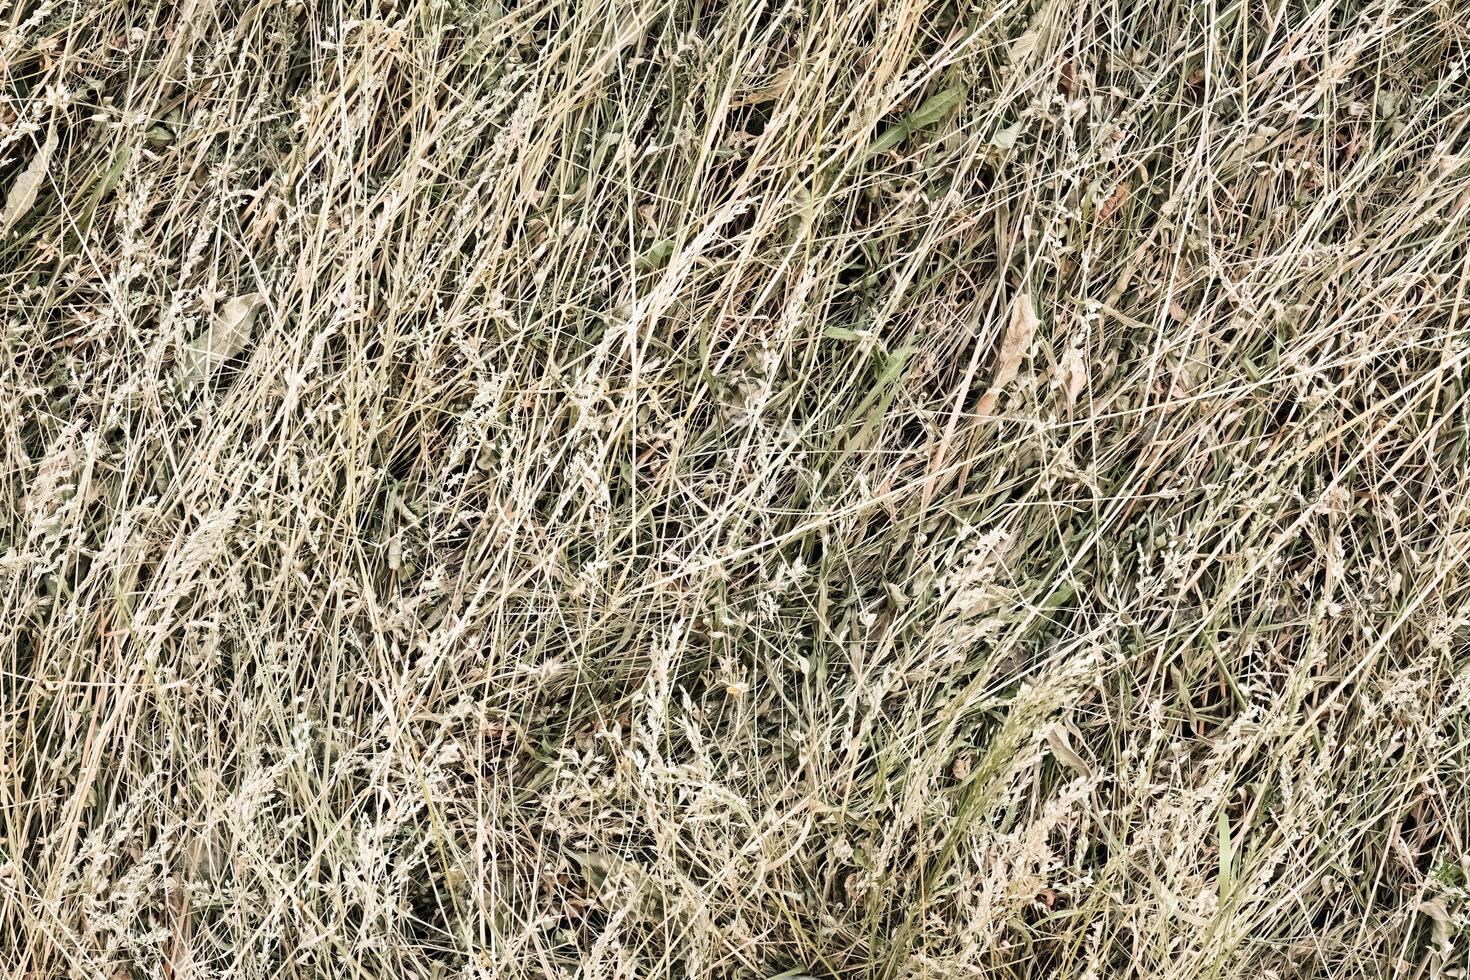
(734,488)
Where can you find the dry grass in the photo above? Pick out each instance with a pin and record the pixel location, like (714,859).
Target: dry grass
(735,489)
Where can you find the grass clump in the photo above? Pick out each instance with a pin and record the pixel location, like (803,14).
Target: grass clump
(677,488)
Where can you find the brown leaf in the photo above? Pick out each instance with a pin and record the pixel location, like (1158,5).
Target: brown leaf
(1015,344)
(649,214)
(1067,79)
(1116,200)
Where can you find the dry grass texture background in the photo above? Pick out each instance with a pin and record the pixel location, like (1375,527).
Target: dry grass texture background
(862,489)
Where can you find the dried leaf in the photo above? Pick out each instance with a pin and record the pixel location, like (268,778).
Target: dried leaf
(1435,909)
(772,91)
(1067,79)
(1442,922)
(649,214)
(1014,346)
(1058,740)
(1016,343)
(1073,372)
(225,337)
(1005,139)
(1116,200)
(27,186)
(1025,46)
